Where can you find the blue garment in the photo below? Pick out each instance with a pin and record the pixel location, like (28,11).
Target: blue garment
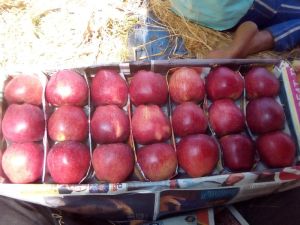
(280,17)
(215,14)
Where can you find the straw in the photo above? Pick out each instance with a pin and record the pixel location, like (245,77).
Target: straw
(65,33)
(75,33)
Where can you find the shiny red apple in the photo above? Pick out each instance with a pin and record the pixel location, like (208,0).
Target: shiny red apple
(150,124)
(186,85)
(2,175)
(23,123)
(1,118)
(23,162)
(109,88)
(223,82)
(68,123)
(24,89)
(67,87)
(264,115)
(276,149)
(197,154)
(110,124)
(225,117)
(260,82)
(113,162)
(68,162)
(147,87)
(157,161)
(238,152)
(188,118)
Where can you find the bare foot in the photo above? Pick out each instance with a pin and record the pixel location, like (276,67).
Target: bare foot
(221,53)
(239,46)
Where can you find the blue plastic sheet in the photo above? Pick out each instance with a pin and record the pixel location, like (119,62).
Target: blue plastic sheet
(151,40)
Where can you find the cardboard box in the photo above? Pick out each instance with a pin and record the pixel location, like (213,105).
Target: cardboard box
(154,200)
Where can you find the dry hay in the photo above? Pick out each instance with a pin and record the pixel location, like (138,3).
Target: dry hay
(198,40)
(9,4)
(65,33)
(70,33)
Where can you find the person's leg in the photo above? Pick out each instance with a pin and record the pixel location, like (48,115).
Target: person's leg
(247,40)
(280,37)
(281,24)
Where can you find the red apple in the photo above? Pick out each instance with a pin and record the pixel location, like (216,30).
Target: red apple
(238,152)
(260,82)
(23,123)
(276,149)
(197,154)
(68,162)
(147,87)
(188,118)
(24,89)
(109,88)
(150,124)
(23,162)
(2,175)
(66,87)
(157,161)
(225,117)
(113,162)
(186,85)
(1,118)
(68,123)
(222,82)
(109,124)
(264,115)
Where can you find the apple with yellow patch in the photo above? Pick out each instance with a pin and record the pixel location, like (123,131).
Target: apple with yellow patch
(109,124)
(150,125)
(68,123)
(23,162)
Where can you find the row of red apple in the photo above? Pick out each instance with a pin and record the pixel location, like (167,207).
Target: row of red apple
(266,118)
(108,87)
(227,120)
(68,159)
(143,98)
